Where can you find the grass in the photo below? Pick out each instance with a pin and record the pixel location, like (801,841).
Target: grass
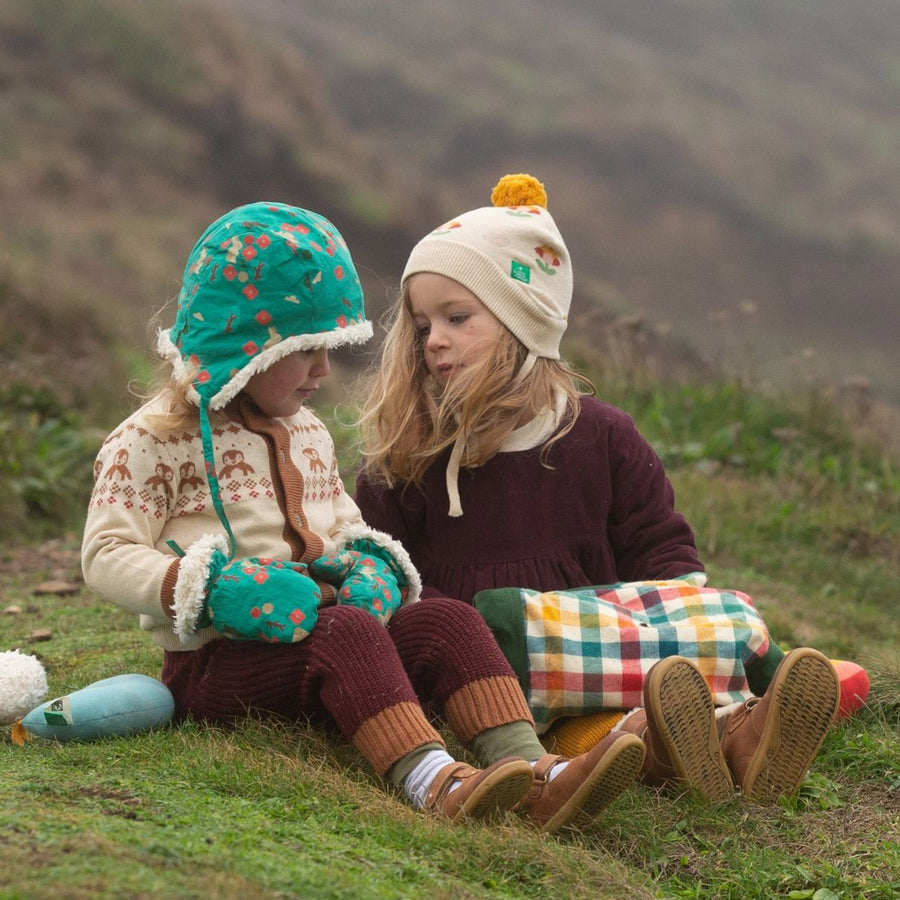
(257,818)
(276,810)
(271,809)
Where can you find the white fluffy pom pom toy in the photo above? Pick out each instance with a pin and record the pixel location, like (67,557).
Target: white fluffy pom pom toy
(23,685)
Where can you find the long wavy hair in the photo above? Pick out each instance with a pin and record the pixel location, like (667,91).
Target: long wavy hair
(408,419)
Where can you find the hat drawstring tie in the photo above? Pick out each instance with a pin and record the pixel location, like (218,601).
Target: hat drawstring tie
(459,446)
(211,476)
(453,475)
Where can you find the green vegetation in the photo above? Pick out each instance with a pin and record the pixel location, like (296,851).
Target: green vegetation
(279,810)
(45,463)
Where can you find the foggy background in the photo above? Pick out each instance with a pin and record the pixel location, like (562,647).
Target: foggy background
(726,173)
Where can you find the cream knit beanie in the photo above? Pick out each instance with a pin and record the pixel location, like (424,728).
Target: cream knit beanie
(512,257)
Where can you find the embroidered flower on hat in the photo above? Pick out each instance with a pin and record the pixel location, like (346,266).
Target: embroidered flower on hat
(445,229)
(548,259)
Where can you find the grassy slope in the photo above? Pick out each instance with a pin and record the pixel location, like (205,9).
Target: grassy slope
(269,810)
(273,810)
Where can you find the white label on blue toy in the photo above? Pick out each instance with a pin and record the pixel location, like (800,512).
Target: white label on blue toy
(58,712)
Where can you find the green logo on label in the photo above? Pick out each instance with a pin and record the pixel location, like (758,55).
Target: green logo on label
(520,272)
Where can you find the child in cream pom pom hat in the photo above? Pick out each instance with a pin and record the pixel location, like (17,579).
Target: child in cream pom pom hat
(493,469)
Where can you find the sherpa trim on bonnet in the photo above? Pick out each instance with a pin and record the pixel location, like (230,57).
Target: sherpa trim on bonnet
(512,257)
(263,281)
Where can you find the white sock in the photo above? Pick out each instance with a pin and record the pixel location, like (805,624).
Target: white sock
(722,712)
(417,783)
(555,770)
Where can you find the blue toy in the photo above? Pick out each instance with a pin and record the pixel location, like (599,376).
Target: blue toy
(123,704)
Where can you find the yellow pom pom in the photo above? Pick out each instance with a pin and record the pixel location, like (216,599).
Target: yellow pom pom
(519,190)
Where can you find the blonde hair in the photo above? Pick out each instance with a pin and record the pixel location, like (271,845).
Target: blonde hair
(408,420)
(176,411)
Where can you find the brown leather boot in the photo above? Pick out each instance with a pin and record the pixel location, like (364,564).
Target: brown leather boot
(770,741)
(587,785)
(678,726)
(482,794)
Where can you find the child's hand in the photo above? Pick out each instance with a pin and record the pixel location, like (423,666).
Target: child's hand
(366,576)
(261,599)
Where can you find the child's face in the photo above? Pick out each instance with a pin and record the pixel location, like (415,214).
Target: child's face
(280,390)
(456,329)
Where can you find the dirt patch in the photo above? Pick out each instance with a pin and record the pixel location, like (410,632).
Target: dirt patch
(58,559)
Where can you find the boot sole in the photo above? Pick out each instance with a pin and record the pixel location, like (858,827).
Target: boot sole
(806,698)
(682,709)
(615,771)
(497,793)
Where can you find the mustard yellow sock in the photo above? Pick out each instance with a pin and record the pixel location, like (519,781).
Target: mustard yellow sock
(578,734)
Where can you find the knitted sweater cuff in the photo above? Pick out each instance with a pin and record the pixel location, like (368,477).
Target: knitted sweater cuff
(167,589)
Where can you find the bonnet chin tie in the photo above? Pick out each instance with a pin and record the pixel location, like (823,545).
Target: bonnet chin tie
(211,476)
(459,445)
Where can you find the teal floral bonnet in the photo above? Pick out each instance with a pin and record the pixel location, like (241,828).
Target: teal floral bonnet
(263,281)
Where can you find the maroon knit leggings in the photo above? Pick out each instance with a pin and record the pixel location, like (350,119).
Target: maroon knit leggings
(349,669)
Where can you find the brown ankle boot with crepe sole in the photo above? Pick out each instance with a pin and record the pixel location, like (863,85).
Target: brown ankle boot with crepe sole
(678,726)
(482,794)
(588,784)
(770,742)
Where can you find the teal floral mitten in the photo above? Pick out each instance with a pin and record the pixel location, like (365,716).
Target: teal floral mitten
(250,599)
(366,575)
(259,599)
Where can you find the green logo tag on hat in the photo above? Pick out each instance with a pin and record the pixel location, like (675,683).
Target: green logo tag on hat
(520,272)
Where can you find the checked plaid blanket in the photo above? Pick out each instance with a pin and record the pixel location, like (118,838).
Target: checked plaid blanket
(586,650)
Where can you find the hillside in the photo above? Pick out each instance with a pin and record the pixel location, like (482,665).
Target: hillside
(726,174)
(731,170)
(124,130)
